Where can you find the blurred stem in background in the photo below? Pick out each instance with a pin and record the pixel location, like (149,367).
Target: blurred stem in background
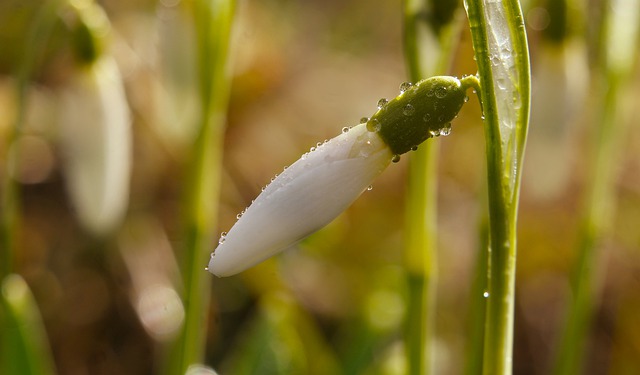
(501,50)
(213,20)
(430,36)
(477,304)
(23,342)
(24,349)
(36,40)
(617,53)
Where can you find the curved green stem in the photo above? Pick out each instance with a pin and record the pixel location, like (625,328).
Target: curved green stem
(213,23)
(421,205)
(505,134)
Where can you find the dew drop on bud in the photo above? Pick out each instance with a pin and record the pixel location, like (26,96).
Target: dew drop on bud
(414,148)
(370,187)
(395,158)
(382,102)
(466,99)
(312,149)
(434,133)
(446,130)
(408,110)
(223,236)
(405,86)
(345,129)
(364,120)
(373,125)
(441,92)
(427,117)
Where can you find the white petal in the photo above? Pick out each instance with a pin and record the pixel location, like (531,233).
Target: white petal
(95,135)
(304,198)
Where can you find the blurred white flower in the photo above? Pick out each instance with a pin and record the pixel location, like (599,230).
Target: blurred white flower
(304,198)
(95,136)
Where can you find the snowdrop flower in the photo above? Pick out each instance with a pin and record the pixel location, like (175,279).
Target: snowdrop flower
(95,137)
(325,181)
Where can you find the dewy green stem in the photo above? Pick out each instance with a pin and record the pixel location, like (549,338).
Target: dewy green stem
(505,132)
(421,205)
(213,23)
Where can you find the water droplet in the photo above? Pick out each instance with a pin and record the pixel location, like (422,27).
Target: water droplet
(405,86)
(430,93)
(345,129)
(213,254)
(382,102)
(312,149)
(238,216)
(373,125)
(434,133)
(364,120)
(485,294)
(395,158)
(441,92)
(304,156)
(223,237)
(408,110)
(414,148)
(206,269)
(466,99)
(370,187)
(446,130)
(427,117)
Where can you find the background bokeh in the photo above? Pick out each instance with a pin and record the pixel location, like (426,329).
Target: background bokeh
(302,70)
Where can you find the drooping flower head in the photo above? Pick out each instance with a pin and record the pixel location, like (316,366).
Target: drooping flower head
(314,190)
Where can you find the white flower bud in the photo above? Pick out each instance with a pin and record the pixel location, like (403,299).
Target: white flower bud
(304,198)
(95,135)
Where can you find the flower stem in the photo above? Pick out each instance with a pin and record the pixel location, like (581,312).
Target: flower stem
(421,205)
(213,22)
(36,40)
(493,24)
(618,53)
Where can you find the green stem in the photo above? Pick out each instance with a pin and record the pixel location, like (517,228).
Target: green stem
(504,160)
(36,40)
(421,205)
(213,23)
(618,53)
(598,210)
(478,306)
